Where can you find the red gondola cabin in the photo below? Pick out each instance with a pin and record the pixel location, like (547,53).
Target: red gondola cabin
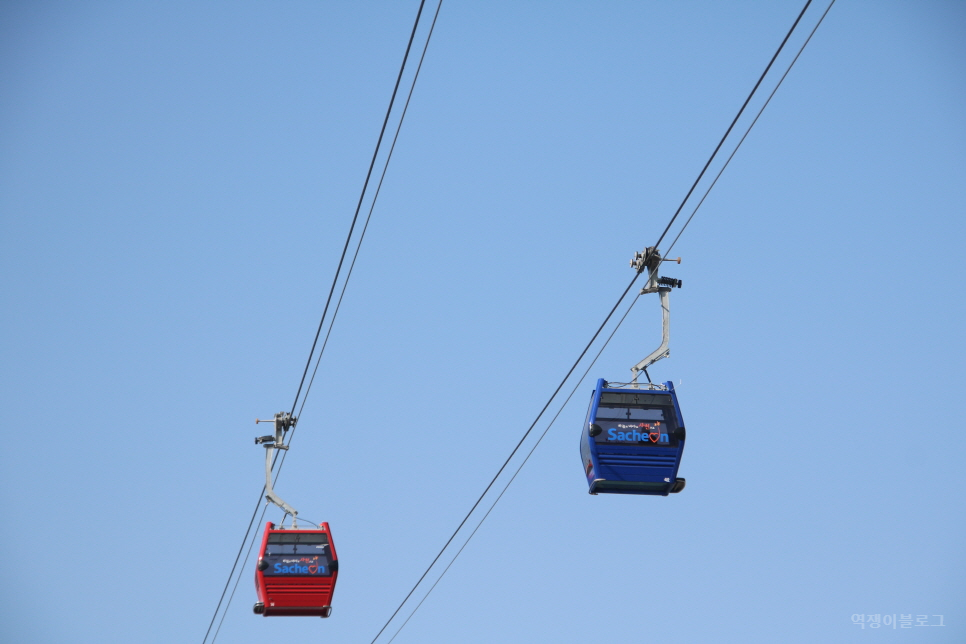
(296,572)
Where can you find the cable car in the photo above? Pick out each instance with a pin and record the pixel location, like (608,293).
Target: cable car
(632,440)
(633,436)
(297,567)
(296,572)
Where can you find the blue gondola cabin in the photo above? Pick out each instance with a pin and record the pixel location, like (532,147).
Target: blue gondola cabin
(632,441)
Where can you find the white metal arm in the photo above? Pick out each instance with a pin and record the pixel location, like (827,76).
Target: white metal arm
(650,260)
(662,351)
(282,422)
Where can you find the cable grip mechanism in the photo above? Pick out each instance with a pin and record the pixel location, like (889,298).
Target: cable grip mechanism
(651,260)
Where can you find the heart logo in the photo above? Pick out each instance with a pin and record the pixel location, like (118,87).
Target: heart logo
(654,436)
(313,570)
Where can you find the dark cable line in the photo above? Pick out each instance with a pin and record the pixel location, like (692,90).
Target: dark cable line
(251,522)
(597,333)
(325,310)
(355,255)
(362,195)
(728,131)
(616,327)
(365,227)
(667,228)
(507,461)
(254,536)
(748,131)
(619,323)
(527,458)
(238,578)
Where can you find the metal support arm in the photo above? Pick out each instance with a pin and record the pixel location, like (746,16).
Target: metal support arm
(269,491)
(282,423)
(662,351)
(650,260)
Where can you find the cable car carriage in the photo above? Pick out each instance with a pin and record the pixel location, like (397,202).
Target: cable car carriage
(633,440)
(296,572)
(297,567)
(633,436)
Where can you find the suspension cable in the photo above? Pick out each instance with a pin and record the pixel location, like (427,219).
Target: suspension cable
(618,325)
(733,122)
(597,333)
(362,195)
(237,578)
(520,467)
(355,255)
(365,227)
(507,461)
(748,131)
(325,309)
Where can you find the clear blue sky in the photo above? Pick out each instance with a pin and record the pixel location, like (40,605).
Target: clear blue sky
(176,183)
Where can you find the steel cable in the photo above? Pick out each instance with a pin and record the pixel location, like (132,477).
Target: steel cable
(747,131)
(520,467)
(365,227)
(237,579)
(325,309)
(616,327)
(355,217)
(352,264)
(597,333)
